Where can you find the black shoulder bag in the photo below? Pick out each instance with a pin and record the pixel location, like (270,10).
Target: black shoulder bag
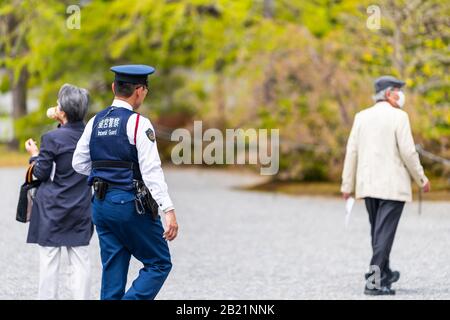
(26,196)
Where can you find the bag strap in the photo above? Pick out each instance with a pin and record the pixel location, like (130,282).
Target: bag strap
(136,127)
(29,176)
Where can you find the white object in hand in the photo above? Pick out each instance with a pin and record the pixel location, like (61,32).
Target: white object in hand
(348,209)
(51,112)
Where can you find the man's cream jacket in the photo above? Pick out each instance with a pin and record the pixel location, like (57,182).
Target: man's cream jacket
(381,155)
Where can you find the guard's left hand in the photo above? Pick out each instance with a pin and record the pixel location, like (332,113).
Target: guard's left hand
(171,226)
(31,147)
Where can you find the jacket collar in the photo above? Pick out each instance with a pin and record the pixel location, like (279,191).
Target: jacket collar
(77,124)
(122,104)
(382,104)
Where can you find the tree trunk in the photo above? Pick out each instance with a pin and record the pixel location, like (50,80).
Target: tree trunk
(269,8)
(19,93)
(398,56)
(221,102)
(397,40)
(343,111)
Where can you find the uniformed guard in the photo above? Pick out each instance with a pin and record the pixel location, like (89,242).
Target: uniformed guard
(119,153)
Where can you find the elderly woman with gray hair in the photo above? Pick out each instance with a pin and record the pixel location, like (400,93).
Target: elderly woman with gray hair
(61,213)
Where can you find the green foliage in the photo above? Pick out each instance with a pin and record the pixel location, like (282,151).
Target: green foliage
(4,83)
(306,67)
(33,125)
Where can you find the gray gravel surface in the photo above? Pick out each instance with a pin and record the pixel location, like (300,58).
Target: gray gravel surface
(237,244)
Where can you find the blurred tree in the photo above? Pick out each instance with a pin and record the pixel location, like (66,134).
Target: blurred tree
(411,43)
(305,67)
(26,27)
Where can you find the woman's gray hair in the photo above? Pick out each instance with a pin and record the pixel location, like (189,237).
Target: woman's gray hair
(381,95)
(74,102)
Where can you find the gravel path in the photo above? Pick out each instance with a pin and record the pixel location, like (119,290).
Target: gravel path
(247,245)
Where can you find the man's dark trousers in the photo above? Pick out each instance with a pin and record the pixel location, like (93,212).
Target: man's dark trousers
(384,216)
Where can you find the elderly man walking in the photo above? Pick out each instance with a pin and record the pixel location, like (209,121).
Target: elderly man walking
(379,160)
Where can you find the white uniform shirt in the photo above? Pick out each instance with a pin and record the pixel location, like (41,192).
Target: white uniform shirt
(147,151)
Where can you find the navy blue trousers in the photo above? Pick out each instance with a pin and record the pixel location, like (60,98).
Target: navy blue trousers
(124,233)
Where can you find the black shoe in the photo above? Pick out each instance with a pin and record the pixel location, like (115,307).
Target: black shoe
(393,276)
(383,291)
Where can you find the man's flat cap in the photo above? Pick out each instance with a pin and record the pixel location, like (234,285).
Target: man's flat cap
(132,73)
(387,81)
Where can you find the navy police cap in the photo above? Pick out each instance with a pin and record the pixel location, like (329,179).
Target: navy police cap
(384,82)
(132,73)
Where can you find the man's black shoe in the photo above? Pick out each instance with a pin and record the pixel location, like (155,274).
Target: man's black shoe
(383,291)
(393,276)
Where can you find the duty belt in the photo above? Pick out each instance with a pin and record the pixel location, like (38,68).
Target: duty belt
(143,199)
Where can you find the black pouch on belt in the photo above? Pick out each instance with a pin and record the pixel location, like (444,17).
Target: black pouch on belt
(144,200)
(100,188)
